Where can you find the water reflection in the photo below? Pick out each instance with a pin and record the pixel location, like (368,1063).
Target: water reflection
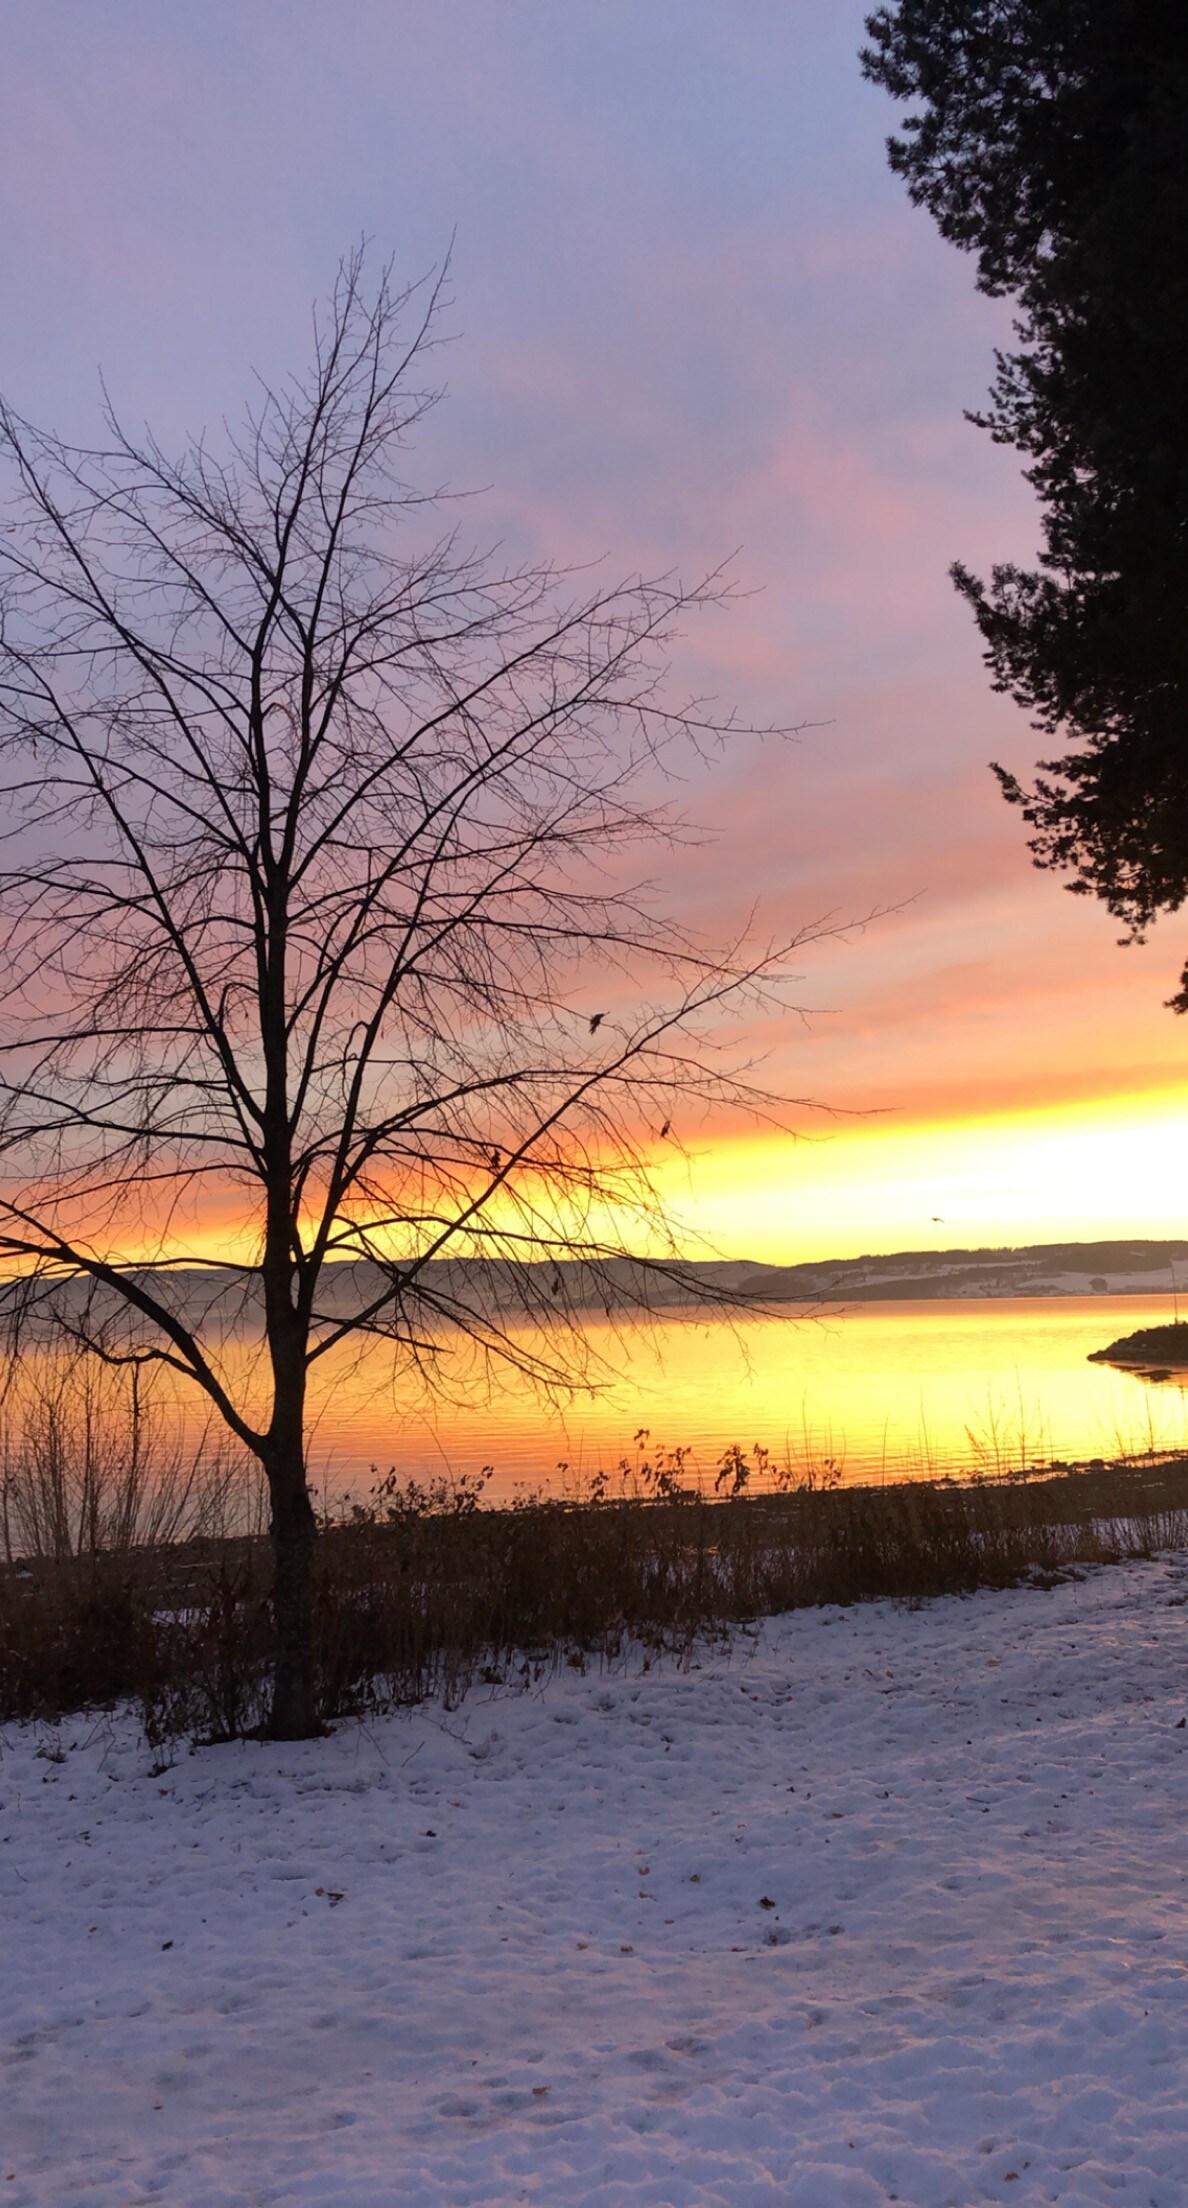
(888,1390)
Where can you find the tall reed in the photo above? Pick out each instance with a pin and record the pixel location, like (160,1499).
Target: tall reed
(88,1465)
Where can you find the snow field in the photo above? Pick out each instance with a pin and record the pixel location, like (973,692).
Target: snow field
(888,1905)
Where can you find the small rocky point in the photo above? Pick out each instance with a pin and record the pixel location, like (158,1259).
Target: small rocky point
(1164,1346)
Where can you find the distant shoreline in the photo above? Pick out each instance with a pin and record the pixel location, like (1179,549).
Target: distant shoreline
(941,1294)
(620,1287)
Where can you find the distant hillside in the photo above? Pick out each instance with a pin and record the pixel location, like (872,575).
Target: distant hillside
(1039,1269)
(624,1284)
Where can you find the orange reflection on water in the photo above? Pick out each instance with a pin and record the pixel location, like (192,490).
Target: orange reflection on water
(894,1389)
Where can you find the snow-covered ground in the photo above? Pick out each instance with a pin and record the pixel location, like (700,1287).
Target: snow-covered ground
(889,1906)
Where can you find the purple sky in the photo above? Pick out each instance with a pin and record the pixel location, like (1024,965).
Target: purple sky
(694,313)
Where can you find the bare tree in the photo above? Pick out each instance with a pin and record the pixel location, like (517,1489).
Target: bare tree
(313,904)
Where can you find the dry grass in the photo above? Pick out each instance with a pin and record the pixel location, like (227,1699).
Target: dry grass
(425,1591)
(88,1466)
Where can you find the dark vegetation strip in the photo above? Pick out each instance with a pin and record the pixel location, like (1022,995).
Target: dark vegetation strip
(430,1593)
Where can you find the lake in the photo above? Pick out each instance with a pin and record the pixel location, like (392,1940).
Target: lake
(889,1390)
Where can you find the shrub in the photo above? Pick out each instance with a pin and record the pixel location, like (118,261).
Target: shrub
(424,1591)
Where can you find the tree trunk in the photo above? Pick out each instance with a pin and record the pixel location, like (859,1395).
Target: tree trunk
(294,1714)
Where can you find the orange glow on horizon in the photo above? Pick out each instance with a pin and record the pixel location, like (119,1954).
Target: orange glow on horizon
(1107,1168)
(1102,1168)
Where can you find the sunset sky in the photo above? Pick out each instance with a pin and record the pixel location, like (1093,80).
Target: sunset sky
(695,315)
